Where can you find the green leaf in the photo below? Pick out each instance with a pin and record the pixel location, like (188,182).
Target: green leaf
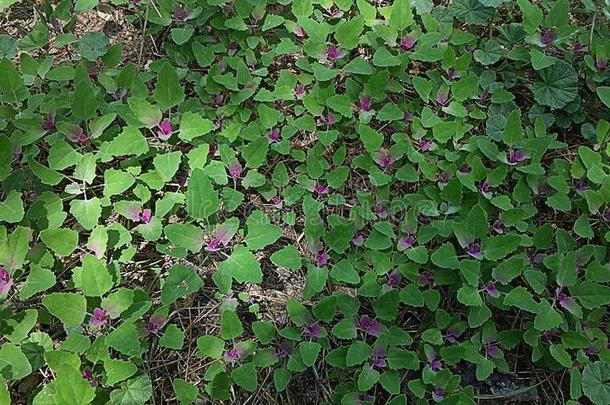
(272,21)
(592,295)
(82,6)
(309,352)
(243,266)
(471,11)
(14,249)
(173,338)
(193,125)
(118,370)
(490,53)
(145,112)
(185,235)
(181,281)
(343,271)
(230,325)
(210,346)
(348,34)
(567,274)
(341,103)
(367,378)
(358,353)
(371,139)
(61,241)
(401,16)
(117,182)
(38,280)
(596,382)
(245,376)
(498,247)
(7,3)
(324,74)
(540,60)
(69,308)
(532,15)
(469,295)
(201,199)
(445,257)
(339,237)
(125,339)
(93,45)
(384,58)
(136,391)
(12,85)
(561,355)
(185,392)
(522,299)
(13,362)
(11,209)
(547,317)
(558,85)
(513,132)
(168,91)
(603,92)
(129,142)
(260,232)
(399,359)
(93,278)
(287,257)
(86,212)
(167,164)
(181,35)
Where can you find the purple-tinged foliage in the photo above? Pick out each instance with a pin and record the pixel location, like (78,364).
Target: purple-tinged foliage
(407,42)
(155,323)
(370,326)
(6,282)
(491,290)
(165,130)
(99,317)
(333,53)
(474,250)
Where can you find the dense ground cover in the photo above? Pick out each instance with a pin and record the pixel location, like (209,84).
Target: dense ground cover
(298,201)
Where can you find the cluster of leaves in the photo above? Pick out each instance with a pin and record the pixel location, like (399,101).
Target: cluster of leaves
(445,165)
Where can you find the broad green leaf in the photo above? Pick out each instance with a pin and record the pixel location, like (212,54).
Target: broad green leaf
(61,241)
(595,382)
(243,266)
(86,212)
(185,235)
(168,91)
(129,142)
(39,279)
(287,257)
(401,16)
(445,257)
(230,325)
(12,85)
(181,281)
(260,232)
(125,339)
(603,92)
(348,34)
(136,391)
(11,209)
(93,278)
(201,199)
(118,370)
(193,125)
(69,308)
(13,362)
(558,85)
